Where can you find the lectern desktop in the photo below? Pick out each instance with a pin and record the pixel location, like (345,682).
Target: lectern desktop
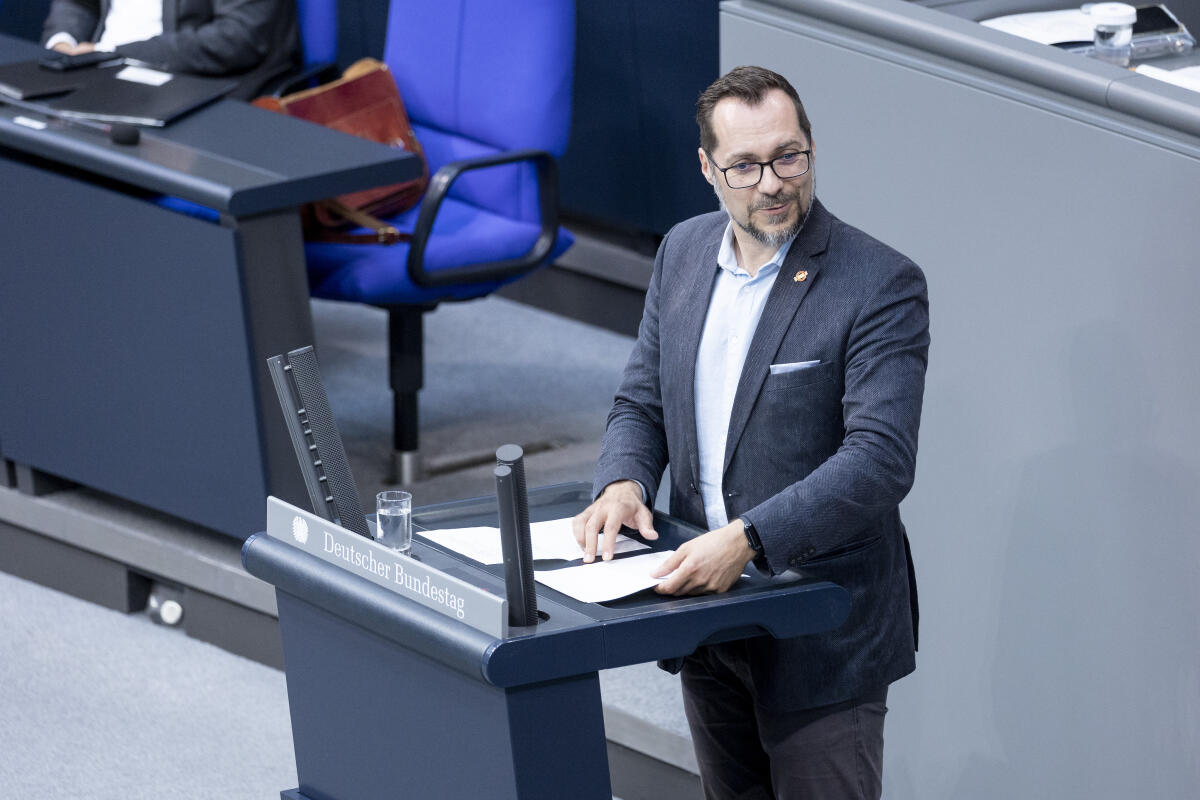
(418,687)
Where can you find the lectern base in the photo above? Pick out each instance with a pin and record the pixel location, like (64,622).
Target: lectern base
(372,718)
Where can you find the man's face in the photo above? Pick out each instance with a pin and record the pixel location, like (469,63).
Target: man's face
(773,210)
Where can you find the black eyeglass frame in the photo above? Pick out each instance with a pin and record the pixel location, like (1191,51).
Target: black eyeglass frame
(762,165)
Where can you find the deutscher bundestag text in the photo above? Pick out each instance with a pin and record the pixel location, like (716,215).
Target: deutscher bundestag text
(365,560)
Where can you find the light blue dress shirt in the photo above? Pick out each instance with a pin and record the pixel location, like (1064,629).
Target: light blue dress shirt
(733,312)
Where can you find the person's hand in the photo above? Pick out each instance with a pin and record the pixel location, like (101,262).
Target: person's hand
(711,562)
(79,49)
(619,504)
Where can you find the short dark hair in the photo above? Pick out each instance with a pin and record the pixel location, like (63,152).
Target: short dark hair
(750,85)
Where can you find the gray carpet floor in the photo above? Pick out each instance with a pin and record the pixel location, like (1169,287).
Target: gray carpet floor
(97,704)
(495,372)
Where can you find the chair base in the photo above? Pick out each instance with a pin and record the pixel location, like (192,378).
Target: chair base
(406,467)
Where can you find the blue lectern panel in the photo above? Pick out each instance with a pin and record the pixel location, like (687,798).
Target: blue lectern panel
(132,338)
(369,717)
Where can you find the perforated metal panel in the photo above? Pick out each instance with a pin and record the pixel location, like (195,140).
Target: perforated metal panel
(316,439)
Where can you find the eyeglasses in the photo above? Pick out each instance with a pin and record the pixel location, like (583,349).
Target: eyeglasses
(745,174)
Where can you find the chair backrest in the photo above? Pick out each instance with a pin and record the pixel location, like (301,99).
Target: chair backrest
(318,30)
(485,76)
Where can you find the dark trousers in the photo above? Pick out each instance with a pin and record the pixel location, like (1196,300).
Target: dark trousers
(747,752)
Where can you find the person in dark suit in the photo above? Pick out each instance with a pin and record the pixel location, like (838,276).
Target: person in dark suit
(255,40)
(779,370)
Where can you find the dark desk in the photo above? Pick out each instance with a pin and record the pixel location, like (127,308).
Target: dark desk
(133,339)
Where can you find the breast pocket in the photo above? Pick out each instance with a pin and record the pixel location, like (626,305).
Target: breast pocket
(797,421)
(819,373)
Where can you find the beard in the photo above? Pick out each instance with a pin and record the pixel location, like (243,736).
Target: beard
(775,239)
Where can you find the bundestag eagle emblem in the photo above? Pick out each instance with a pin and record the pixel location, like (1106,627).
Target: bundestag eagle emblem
(300,530)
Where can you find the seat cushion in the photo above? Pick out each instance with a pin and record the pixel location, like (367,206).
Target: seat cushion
(462,235)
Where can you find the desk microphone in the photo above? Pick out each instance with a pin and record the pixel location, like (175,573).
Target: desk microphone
(515,544)
(124,133)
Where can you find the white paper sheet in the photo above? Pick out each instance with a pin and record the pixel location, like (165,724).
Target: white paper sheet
(144,75)
(553,539)
(1046,27)
(477,544)
(1188,77)
(604,580)
(556,539)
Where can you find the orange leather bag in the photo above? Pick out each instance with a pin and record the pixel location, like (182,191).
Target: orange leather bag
(363,102)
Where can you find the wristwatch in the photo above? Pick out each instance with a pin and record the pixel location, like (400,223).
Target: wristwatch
(752,536)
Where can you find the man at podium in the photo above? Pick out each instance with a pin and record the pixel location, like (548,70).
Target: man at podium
(256,40)
(779,370)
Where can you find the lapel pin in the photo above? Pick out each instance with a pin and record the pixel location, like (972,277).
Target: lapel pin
(801,276)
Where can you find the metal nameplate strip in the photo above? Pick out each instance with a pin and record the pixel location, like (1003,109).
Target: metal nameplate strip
(407,577)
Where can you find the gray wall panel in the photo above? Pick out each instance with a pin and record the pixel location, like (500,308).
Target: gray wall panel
(1054,517)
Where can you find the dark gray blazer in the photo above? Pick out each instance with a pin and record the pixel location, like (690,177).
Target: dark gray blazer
(255,40)
(818,459)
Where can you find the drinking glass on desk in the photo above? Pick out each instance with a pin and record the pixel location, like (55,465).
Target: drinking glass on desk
(1113,38)
(393,514)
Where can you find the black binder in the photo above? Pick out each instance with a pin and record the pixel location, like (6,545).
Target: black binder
(27,80)
(108,98)
(97,93)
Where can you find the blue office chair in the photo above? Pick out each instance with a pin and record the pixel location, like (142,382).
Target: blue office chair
(318,30)
(487,85)
(318,21)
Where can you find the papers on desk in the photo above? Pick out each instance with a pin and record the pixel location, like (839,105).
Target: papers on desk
(1046,27)
(604,580)
(1157,31)
(143,75)
(553,539)
(1187,77)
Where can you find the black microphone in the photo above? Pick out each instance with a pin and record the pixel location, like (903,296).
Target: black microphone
(124,133)
(515,543)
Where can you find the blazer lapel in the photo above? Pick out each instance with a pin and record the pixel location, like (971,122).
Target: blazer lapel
(786,294)
(695,310)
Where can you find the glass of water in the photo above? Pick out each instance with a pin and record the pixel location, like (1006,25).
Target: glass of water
(393,512)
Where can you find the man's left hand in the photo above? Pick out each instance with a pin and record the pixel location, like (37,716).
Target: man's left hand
(709,563)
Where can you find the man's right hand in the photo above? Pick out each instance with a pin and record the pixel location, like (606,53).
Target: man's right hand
(75,50)
(619,504)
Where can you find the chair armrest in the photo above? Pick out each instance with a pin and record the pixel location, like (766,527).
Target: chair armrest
(439,186)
